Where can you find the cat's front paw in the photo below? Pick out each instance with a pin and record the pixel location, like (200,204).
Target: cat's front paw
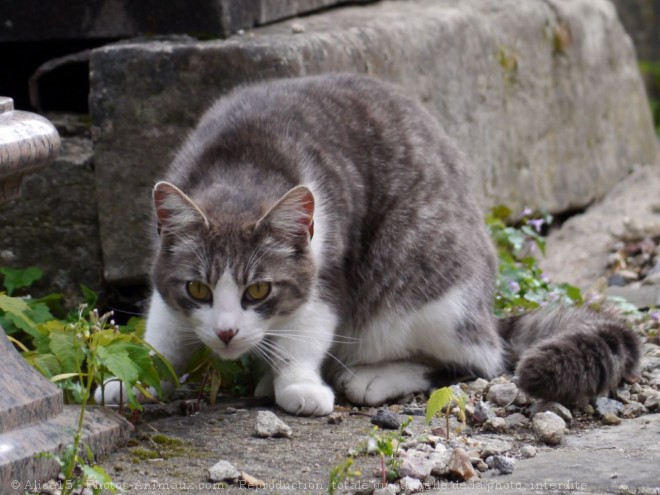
(306,399)
(115,393)
(112,392)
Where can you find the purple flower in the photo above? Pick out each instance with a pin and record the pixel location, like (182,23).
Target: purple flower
(655,316)
(527,211)
(545,278)
(537,223)
(514,286)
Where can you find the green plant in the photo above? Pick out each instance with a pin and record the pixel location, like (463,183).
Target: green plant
(77,353)
(521,284)
(386,446)
(652,72)
(342,472)
(443,398)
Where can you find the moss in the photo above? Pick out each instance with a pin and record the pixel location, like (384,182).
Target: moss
(509,63)
(165,440)
(561,39)
(142,454)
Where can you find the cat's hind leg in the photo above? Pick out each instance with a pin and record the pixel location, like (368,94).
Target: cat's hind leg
(374,384)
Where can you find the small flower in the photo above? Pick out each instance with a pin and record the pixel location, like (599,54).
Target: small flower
(514,286)
(536,223)
(545,278)
(527,211)
(655,316)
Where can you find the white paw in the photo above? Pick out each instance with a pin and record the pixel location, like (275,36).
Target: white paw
(305,399)
(366,388)
(113,393)
(371,385)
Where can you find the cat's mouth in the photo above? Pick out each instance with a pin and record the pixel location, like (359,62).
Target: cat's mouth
(230,352)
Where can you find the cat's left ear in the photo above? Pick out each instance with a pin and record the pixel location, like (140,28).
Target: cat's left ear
(174,209)
(293,215)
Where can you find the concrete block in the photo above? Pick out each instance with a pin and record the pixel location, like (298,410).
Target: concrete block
(76,19)
(543,96)
(54,225)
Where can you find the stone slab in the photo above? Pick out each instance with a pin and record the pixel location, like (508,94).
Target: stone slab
(615,459)
(577,252)
(25,395)
(544,97)
(103,432)
(78,19)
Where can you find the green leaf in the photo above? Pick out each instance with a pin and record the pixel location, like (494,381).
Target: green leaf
(116,360)
(437,401)
(67,349)
(90,297)
(97,473)
(19,278)
(16,310)
(46,364)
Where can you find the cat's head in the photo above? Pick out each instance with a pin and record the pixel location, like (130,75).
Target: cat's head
(233,276)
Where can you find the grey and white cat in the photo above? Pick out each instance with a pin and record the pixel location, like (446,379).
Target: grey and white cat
(326,224)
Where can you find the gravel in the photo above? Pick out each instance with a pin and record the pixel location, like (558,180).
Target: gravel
(269,425)
(549,427)
(223,471)
(386,420)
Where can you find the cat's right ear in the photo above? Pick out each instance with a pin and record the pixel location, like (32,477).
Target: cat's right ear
(174,209)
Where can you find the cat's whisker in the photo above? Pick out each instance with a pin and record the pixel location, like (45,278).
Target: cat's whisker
(279,347)
(293,334)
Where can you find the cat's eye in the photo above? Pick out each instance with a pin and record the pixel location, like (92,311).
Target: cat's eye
(257,292)
(199,291)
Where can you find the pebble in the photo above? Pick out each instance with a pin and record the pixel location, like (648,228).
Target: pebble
(388,489)
(297,28)
(633,409)
(604,405)
(549,427)
(386,420)
(495,424)
(611,419)
(503,464)
(269,425)
(477,386)
(440,460)
(555,407)
(335,418)
(528,451)
(652,402)
(482,411)
(249,481)
(410,485)
(415,464)
(414,410)
(223,471)
(502,394)
(516,420)
(650,363)
(459,465)
(494,447)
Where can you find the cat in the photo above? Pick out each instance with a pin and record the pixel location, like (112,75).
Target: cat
(326,224)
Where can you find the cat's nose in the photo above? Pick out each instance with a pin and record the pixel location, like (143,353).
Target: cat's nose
(226,334)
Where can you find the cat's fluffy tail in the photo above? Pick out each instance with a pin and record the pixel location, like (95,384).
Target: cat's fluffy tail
(569,355)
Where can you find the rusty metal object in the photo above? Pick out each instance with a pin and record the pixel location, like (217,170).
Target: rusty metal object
(28,142)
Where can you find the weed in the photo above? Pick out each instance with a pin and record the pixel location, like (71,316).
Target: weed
(444,398)
(77,353)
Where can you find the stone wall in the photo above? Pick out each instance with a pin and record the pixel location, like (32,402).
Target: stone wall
(54,224)
(543,96)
